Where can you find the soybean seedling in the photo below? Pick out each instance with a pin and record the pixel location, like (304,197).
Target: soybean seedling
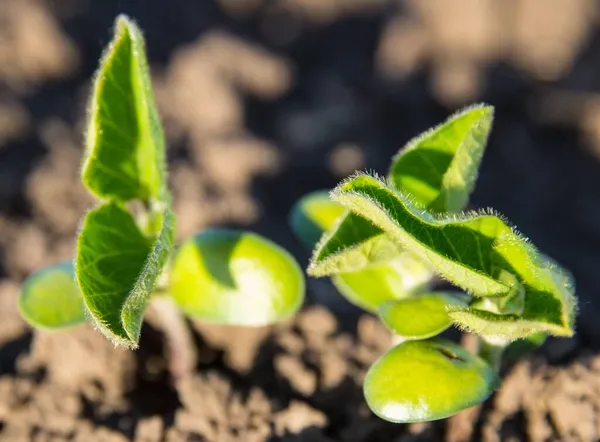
(125,258)
(387,242)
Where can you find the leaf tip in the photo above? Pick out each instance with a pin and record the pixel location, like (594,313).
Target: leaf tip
(123,23)
(485,110)
(116,339)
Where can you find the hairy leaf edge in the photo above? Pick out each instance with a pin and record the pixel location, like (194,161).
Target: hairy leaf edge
(130,343)
(414,142)
(124,25)
(561,279)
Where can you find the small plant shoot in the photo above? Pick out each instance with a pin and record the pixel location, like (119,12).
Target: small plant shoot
(394,234)
(126,257)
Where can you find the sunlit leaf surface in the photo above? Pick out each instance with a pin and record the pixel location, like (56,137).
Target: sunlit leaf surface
(427,380)
(238,278)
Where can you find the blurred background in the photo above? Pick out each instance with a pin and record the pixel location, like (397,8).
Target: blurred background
(263,101)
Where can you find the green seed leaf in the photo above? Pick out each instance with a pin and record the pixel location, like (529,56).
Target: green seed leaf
(439,168)
(125,144)
(427,380)
(314,214)
(474,251)
(117,268)
(421,316)
(372,286)
(50,298)
(237,278)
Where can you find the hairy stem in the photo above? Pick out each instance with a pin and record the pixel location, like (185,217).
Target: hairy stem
(181,350)
(491,350)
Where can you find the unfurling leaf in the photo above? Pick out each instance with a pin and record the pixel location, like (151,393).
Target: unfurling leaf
(473,251)
(427,380)
(347,241)
(420,316)
(439,168)
(367,267)
(124,141)
(352,244)
(50,299)
(237,278)
(117,269)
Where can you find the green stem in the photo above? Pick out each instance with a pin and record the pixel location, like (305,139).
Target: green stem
(491,350)
(180,347)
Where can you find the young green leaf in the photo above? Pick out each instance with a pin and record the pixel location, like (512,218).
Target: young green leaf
(352,244)
(439,168)
(50,298)
(349,242)
(473,251)
(427,380)
(369,268)
(420,316)
(117,268)
(125,144)
(237,278)
(372,286)
(314,214)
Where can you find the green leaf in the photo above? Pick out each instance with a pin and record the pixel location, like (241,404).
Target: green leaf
(117,268)
(124,142)
(372,286)
(50,298)
(313,214)
(427,380)
(421,316)
(439,168)
(238,278)
(474,251)
(352,244)
(509,327)
(370,268)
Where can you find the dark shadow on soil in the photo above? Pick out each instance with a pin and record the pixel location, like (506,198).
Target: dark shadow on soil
(10,352)
(153,393)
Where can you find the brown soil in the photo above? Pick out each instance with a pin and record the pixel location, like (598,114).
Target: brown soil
(298,381)
(264,101)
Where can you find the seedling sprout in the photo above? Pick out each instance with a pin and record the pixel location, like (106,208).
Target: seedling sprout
(386,242)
